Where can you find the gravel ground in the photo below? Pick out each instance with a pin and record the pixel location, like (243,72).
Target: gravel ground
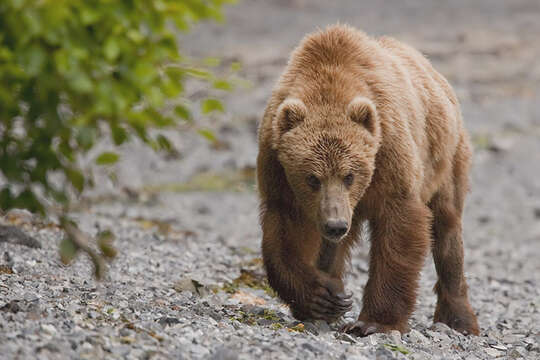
(188,282)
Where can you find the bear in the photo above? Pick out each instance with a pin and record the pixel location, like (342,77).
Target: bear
(363,130)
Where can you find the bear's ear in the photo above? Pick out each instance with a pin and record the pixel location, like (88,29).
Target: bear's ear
(289,114)
(361,110)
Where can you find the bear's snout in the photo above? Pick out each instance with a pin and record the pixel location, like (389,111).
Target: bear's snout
(335,229)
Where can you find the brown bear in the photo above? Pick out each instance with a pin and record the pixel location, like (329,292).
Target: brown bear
(362,129)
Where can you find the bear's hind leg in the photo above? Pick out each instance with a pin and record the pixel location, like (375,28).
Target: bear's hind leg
(453,306)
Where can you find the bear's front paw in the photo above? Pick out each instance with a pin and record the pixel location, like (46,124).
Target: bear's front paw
(327,301)
(458,315)
(364,328)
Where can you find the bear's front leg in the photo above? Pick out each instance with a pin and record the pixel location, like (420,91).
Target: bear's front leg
(311,293)
(400,241)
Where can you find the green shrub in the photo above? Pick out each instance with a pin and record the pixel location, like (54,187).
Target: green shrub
(75,71)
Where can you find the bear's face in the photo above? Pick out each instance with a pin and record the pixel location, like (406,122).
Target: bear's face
(328,165)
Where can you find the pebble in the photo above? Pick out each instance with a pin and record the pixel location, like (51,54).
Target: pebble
(48,329)
(493,352)
(224,353)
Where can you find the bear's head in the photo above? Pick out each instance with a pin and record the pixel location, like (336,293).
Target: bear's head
(328,156)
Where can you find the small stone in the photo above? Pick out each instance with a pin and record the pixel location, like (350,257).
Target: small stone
(127,340)
(383,353)
(346,337)
(493,352)
(309,327)
(395,337)
(310,347)
(373,339)
(168,321)
(442,328)
(515,354)
(48,329)
(224,353)
(264,322)
(49,347)
(499,347)
(12,307)
(93,314)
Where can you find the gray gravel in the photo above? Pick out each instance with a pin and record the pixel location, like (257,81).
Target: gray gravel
(188,283)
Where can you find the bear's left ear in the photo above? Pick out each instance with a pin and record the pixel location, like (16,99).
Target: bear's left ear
(289,114)
(361,110)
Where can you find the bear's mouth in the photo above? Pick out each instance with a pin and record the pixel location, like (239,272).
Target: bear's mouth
(334,237)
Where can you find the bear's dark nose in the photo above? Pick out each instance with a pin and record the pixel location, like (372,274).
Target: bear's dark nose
(335,228)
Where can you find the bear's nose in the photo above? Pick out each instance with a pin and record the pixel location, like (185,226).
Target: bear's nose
(335,228)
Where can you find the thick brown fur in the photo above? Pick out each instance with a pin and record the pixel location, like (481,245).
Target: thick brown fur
(364,129)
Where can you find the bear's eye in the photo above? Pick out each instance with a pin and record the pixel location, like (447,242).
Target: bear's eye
(314,182)
(348,180)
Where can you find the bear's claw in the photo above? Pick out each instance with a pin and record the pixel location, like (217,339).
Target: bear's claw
(362,328)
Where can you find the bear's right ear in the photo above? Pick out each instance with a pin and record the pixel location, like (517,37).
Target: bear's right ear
(289,114)
(361,110)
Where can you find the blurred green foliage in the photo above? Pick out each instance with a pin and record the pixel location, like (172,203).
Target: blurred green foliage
(75,71)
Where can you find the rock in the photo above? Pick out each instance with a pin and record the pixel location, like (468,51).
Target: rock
(383,353)
(14,235)
(346,337)
(49,347)
(264,322)
(312,348)
(395,337)
(48,329)
(168,321)
(187,284)
(12,307)
(499,347)
(516,353)
(317,327)
(416,337)
(442,328)
(493,352)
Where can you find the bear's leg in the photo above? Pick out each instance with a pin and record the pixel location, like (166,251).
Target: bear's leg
(291,271)
(453,306)
(399,243)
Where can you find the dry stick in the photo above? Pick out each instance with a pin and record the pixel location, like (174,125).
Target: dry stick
(327,255)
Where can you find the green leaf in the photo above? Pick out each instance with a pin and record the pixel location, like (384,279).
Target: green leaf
(199,73)
(207,134)
(119,134)
(210,105)
(111,49)
(6,199)
(107,158)
(397,348)
(236,66)
(211,61)
(81,82)
(105,242)
(222,85)
(164,143)
(68,250)
(183,112)
(34,59)
(76,179)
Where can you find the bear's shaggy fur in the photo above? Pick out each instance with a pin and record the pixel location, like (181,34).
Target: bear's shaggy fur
(361,129)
